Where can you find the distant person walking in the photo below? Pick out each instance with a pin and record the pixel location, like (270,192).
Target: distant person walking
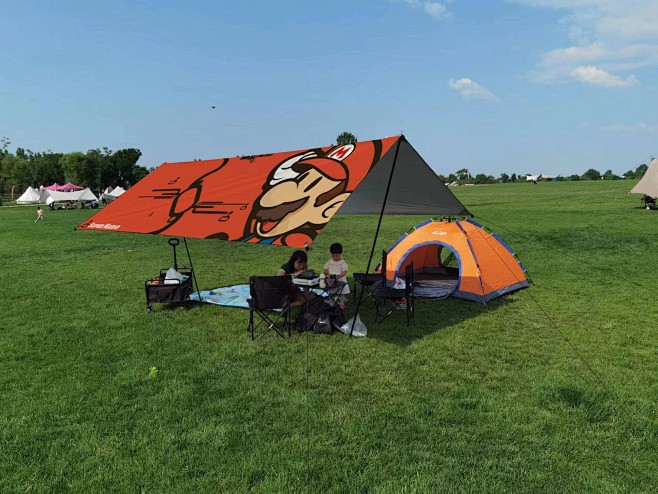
(39,214)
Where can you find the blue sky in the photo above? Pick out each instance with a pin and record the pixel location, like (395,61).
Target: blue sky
(516,86)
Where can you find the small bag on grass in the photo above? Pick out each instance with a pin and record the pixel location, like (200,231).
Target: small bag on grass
(306,321)
(323,324)
(359,328)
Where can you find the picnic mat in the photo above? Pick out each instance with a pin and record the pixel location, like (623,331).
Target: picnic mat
(228,296)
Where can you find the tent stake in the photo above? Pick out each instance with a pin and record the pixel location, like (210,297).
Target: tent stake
(379,224)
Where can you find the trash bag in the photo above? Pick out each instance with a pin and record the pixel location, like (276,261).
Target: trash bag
(359,328)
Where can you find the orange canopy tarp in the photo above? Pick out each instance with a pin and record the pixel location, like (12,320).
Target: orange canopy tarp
(282,198)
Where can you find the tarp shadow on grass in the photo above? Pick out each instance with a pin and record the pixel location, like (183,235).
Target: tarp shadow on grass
(431,316)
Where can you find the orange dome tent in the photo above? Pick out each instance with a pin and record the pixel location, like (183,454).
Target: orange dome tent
(458,259)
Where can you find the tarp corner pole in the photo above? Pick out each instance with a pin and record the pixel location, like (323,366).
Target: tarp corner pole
(189,258)
(379,224)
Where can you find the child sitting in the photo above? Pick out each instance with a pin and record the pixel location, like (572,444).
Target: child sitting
(337,267)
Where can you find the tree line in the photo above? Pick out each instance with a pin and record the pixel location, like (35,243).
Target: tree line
(101,168)
(463,176)
(96,169)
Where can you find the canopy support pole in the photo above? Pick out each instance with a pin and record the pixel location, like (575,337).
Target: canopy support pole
(189,258)
(379,224)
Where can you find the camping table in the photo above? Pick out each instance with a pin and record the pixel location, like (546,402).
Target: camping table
(330,293)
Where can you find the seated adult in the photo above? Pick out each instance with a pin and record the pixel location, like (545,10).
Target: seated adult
(295,266)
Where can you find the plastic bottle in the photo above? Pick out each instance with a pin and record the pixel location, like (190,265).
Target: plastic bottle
(323,281)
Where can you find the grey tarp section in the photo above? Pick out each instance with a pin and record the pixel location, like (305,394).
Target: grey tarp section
(648,185)
(415,188)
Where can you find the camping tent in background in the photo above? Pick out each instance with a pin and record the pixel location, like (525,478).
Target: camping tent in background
(50,196)
(110,195)
(114,194)
(648,184)
(283,198)
(30,196)
(68,187)
(455,258)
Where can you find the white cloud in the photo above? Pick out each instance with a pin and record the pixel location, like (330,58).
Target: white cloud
(597,77)
(638,128)
(436,10)
(614,36)
(469,89)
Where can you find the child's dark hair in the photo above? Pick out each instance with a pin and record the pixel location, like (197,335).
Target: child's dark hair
(336,248)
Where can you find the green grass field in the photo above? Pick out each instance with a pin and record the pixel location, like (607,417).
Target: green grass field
(550,389)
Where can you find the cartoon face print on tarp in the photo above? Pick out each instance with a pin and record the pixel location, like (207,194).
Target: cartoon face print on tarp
(283,198)
(302,194)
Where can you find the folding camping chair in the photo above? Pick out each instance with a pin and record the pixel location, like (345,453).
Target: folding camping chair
(649,202)
(270,301)
(396,296)
(368,283)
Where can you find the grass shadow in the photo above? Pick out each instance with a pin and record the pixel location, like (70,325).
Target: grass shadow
(168,308)
(431,316)
(595,406)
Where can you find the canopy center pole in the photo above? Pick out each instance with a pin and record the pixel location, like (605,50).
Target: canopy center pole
(379,224)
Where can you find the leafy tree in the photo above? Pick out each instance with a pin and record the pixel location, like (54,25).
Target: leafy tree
(14,172)
(50,170)
(641,170)
(592,174)
(481,178)
(94,169)
(574,177)
(125,161)
(463,174)
(77,168)
(346,138)
(103,170)
(139,172)
(504,177)
(452,178)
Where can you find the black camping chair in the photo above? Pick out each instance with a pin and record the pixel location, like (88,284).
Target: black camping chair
(270,300)
(368,283)
(649,202)
(393,298)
